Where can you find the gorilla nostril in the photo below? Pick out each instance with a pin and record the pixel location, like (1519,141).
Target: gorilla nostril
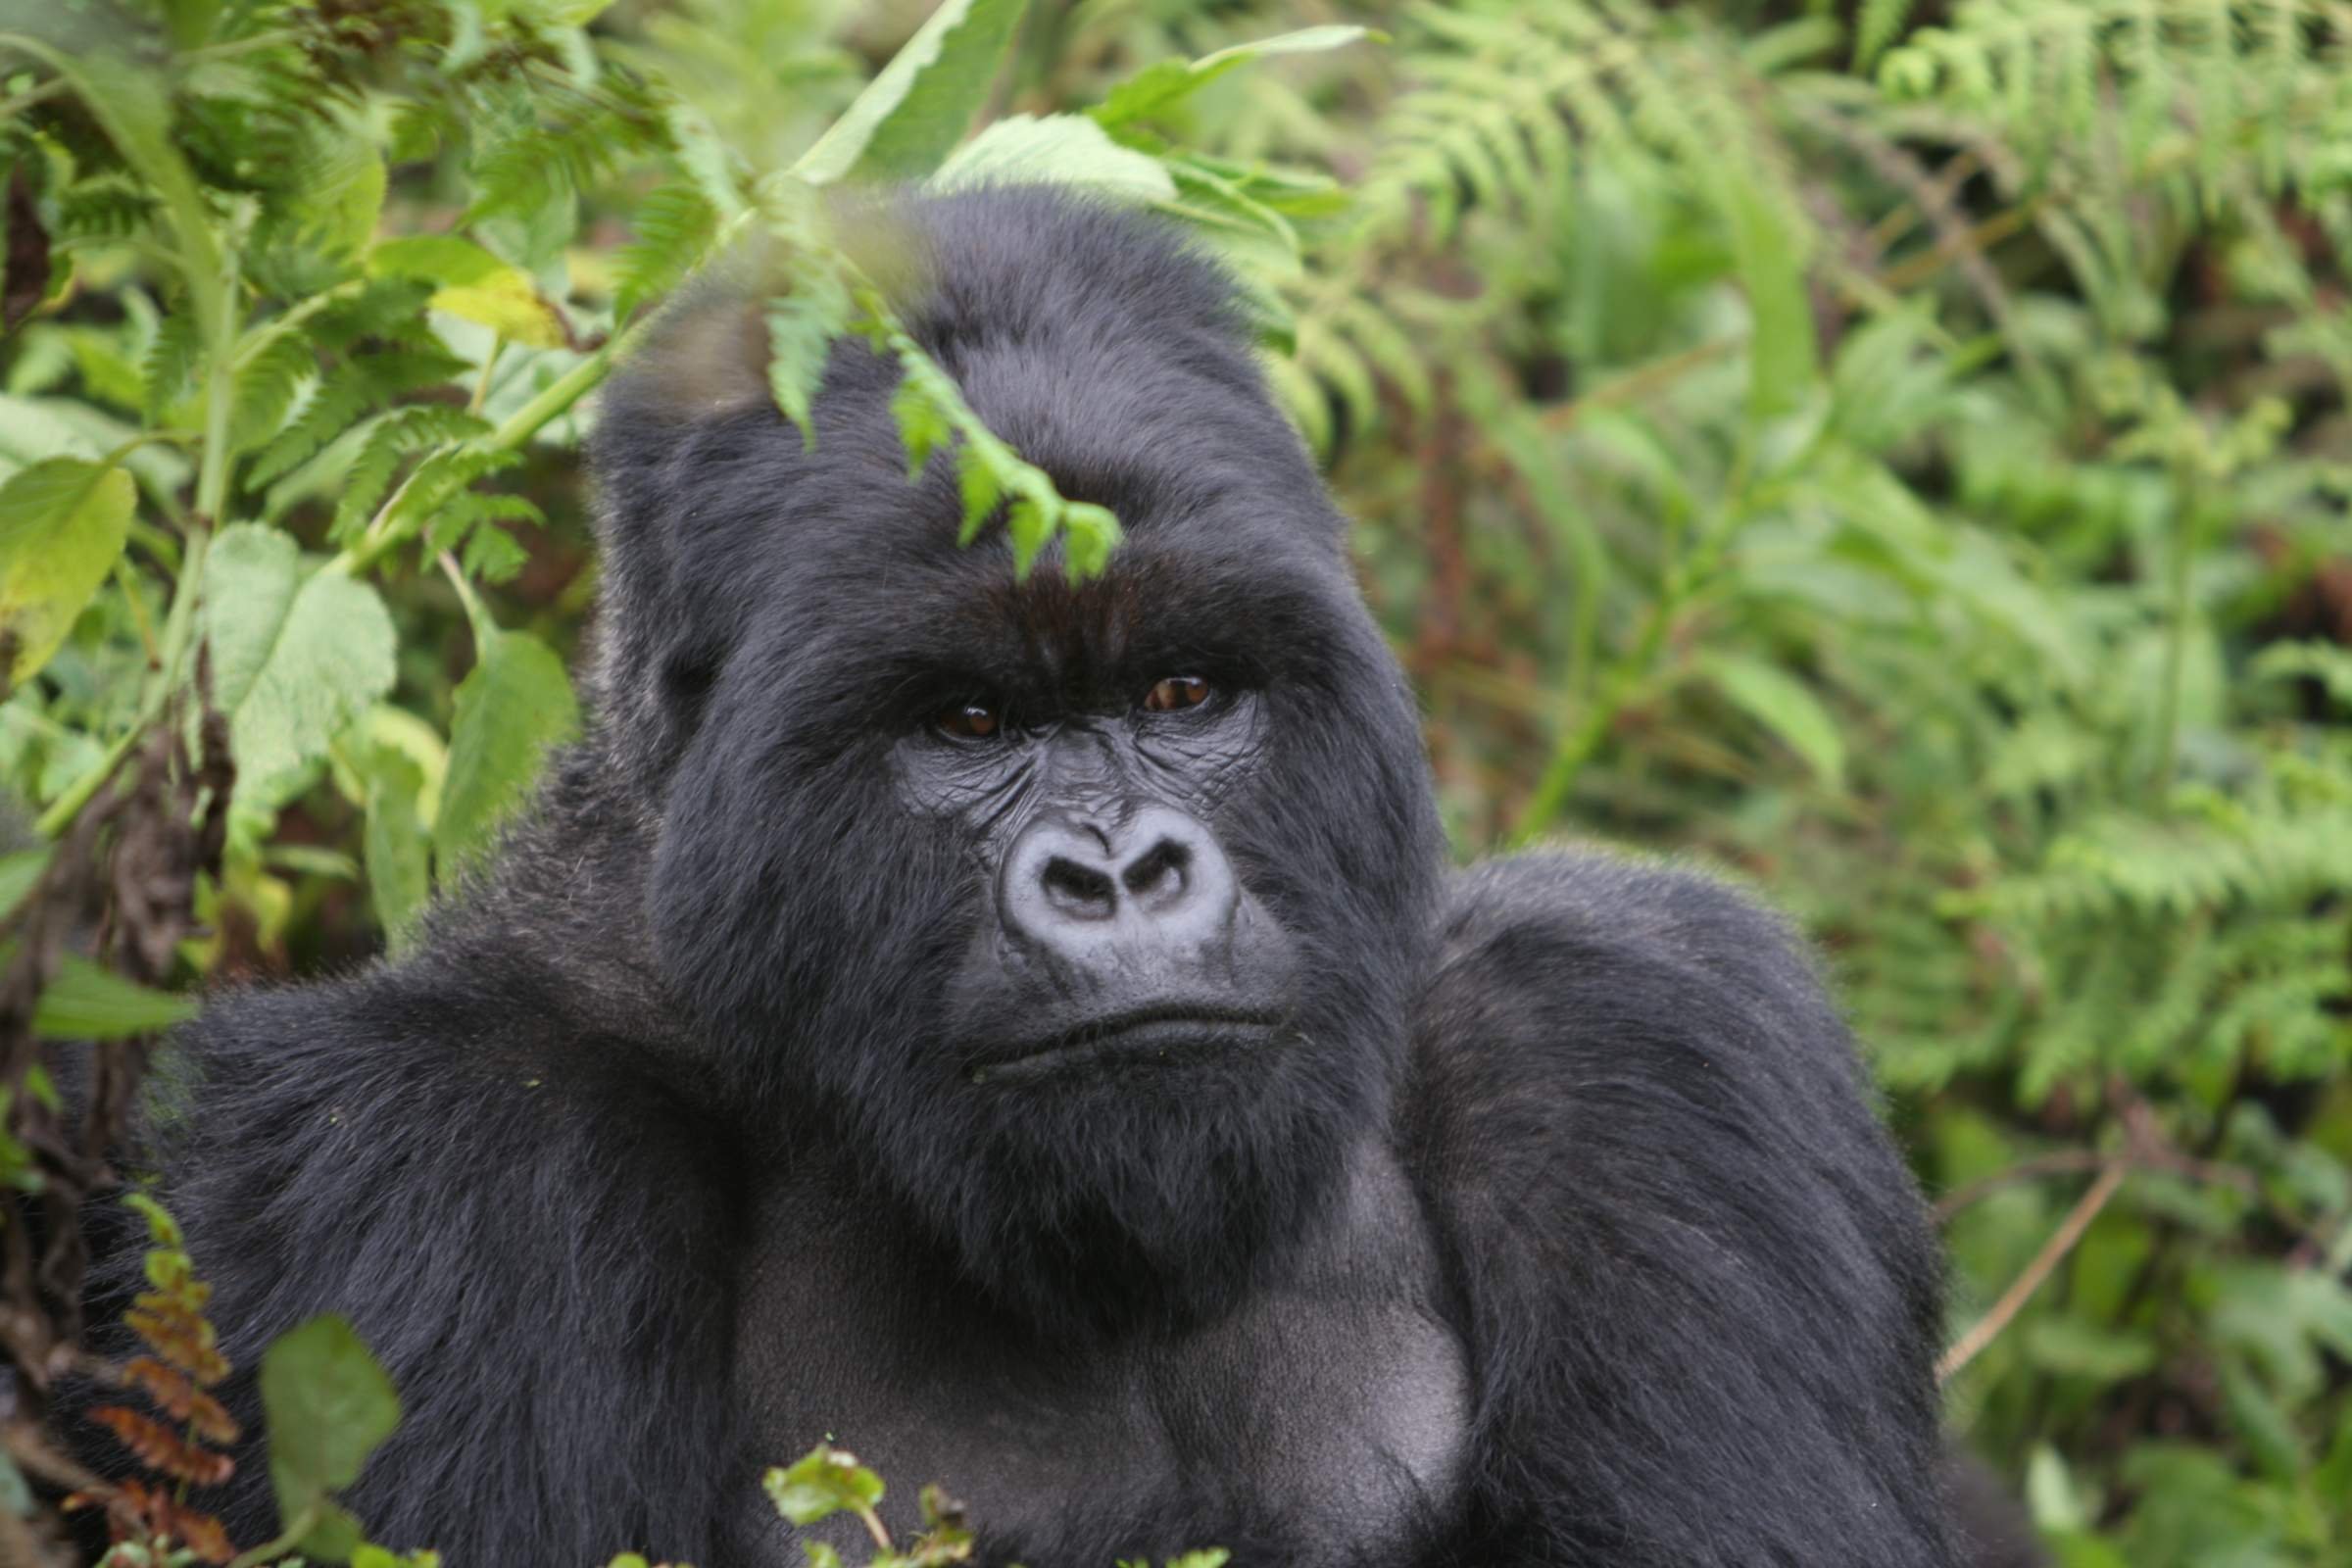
(1079,890)
(1159,871)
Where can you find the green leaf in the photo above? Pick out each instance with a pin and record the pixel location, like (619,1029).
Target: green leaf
(249,583)
(85,1002)
(825,1482)
(396,845)
(2075,1347)
(191,20)
(1254,236)
(1060,149)
(1770,249)
(470,282)
(62,522)
(923,427)
(920,105)
(705,158)
(33,429)
(1783,705)
(341,192)
(16,1495)
(162,1229)
(328,1405)
(334,1536)
(801,328)
(1090,533)
(1880,23)
(514,704)
(293,668)
(1160,87)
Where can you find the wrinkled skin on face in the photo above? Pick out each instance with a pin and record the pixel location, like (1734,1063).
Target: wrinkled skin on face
(1125,883)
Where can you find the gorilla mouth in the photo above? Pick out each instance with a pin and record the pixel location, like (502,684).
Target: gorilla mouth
(1163,1035)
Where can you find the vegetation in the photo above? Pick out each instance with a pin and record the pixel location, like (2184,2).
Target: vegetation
(1905,459)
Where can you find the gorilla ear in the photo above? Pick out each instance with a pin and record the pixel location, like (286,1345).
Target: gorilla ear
(678,432)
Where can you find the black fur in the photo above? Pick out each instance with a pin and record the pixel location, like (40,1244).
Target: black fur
(1554,1227)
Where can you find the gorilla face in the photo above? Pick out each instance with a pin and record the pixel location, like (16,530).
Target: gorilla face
(1118,934)
(1081,919)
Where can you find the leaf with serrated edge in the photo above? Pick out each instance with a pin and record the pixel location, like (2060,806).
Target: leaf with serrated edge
(470,282)
(920,105)
(326,660)
(249,583)
(514,704)
(62,524)
(1060,149)
(396,843)
(1161,85)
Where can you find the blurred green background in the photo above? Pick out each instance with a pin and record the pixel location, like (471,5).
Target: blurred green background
(1897,452)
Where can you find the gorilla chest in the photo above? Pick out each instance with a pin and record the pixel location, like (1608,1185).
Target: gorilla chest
(1320,1424)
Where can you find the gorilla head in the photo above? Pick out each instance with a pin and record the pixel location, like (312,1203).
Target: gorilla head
(1080,919)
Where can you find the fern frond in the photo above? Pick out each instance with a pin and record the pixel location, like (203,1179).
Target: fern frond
(391,437)
(266,383)
(359,386)
(675,227)
(168,365)
(2122,864)
(463,512)
(536,146)
(102,211)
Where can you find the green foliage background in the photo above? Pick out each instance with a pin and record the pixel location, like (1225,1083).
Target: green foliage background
(1899,453)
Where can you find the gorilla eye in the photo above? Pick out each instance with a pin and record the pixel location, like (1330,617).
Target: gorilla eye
(968,720)
(1177,691)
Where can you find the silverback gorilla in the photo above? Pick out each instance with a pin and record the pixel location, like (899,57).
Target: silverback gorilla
(1024,1032)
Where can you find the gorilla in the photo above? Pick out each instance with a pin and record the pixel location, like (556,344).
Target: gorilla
(1024,1031)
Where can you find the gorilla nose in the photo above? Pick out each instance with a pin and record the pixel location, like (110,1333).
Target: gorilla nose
(1157,881)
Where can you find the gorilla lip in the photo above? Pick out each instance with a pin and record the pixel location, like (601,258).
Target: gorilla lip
(1139,1037)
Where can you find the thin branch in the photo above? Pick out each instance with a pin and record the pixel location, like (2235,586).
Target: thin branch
(2053,1251)
(2058,1163)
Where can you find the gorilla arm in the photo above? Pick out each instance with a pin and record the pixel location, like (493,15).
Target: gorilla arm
(1701,1294)
(515,1218)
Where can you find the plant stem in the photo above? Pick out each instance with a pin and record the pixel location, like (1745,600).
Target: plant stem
(517,428)
(873,1527)
(481,388)
(2053,1251)
(1634,671)
(38,93)
(478,614)
(1624,679)
(287,1540)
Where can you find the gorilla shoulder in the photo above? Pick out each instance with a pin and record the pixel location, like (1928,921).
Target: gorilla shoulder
(1512,932)
(1631,1090)
(453,1152)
